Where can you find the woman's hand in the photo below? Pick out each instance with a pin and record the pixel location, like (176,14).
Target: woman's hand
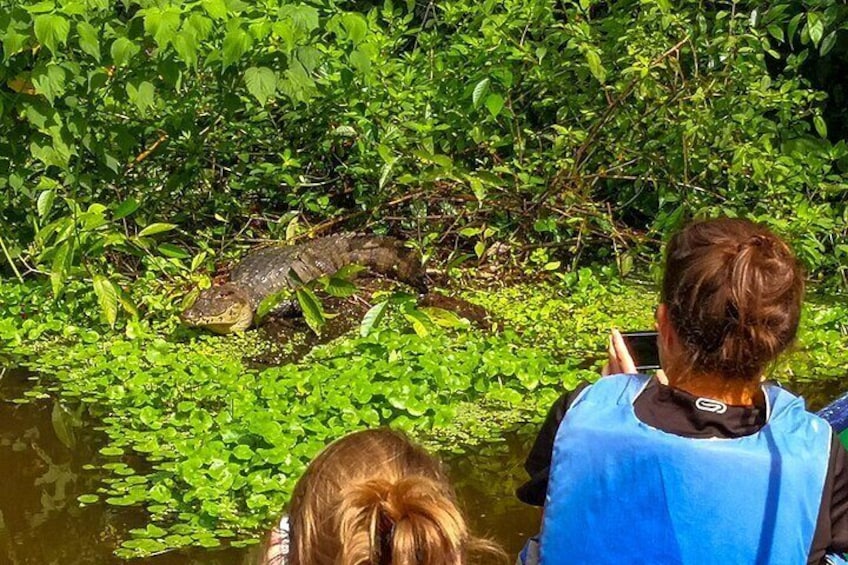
(619,360)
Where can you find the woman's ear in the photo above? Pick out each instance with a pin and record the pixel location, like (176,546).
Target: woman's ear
(667,337)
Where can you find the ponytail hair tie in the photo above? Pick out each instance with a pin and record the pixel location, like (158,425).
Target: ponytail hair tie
(386,532)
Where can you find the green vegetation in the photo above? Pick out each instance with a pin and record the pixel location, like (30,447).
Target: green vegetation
(146,132)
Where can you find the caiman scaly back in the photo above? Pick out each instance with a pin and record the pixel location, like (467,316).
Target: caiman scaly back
(269,270)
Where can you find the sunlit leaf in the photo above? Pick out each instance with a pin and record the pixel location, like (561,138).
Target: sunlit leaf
(313,313)
(51,30)
(45,202)
(479,91)
(89,40)
(107,297)
(261,83)
(494,103)
(156,227)
(372,318)
(237,42)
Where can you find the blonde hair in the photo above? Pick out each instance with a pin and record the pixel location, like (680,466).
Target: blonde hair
(374,498)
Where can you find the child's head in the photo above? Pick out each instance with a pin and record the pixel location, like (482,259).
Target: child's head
(732,291)
(374,498)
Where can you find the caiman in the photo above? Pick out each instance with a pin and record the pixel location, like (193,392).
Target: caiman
(231,306)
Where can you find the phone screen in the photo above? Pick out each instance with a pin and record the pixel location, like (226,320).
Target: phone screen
(643,348)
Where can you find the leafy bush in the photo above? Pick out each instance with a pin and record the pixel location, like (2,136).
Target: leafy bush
(572,124)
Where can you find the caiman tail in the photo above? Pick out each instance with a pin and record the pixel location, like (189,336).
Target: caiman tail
(269,270)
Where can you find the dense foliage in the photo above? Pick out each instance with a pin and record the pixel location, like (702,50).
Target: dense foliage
(573,124)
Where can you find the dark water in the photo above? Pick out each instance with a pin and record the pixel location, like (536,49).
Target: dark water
(43,449)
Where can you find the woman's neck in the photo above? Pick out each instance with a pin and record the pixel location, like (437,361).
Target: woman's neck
(729,391)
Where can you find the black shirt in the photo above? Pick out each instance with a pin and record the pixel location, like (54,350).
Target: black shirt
(674,411)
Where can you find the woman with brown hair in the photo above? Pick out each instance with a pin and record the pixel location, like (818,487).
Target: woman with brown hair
(374,498)
(708,464)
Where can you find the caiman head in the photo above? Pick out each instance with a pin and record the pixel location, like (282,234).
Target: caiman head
(222,309)
(408,269)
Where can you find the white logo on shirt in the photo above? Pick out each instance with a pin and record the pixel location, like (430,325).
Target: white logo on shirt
(710,405)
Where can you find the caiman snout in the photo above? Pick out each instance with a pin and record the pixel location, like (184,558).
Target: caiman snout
(221,309)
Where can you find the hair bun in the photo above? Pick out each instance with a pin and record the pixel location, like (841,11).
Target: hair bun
(734,291)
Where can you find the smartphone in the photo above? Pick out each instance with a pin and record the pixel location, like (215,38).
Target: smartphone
(643,348)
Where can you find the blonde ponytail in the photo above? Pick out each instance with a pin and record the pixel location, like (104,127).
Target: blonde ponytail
(373,498)
(412,521)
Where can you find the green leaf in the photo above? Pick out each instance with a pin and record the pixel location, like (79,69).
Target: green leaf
(494,103)
(356,26)
(155,228)
(126,303)
(107,297)
(360,60)
(776,32)
(162,24)
(443,318)
(419,322)
(173,251)
(271,301)
(828,43)
(125,208)
(237,42)
(595,66)
(49,81)
(88,39)
(45,202)
(123,50)
(243,452)
(143,96)
(13,43)
(215,8)
(349,271)
(792,27)
(372,318)
(88,498)
(815,27)
(479,91)
(51,30)
(339,287)
(185,44)
(313,313)
(261,83)
(304,17)
(41,7)
(59,268)
(821,126)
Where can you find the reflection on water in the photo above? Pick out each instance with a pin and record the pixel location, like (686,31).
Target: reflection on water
(44,446)
(486,479)
(39,516)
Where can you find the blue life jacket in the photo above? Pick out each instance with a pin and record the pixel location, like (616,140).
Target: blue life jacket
(622,492)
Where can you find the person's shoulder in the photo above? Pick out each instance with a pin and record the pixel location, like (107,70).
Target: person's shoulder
(278,548)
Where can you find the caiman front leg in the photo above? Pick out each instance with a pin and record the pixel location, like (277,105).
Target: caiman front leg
(287,309)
